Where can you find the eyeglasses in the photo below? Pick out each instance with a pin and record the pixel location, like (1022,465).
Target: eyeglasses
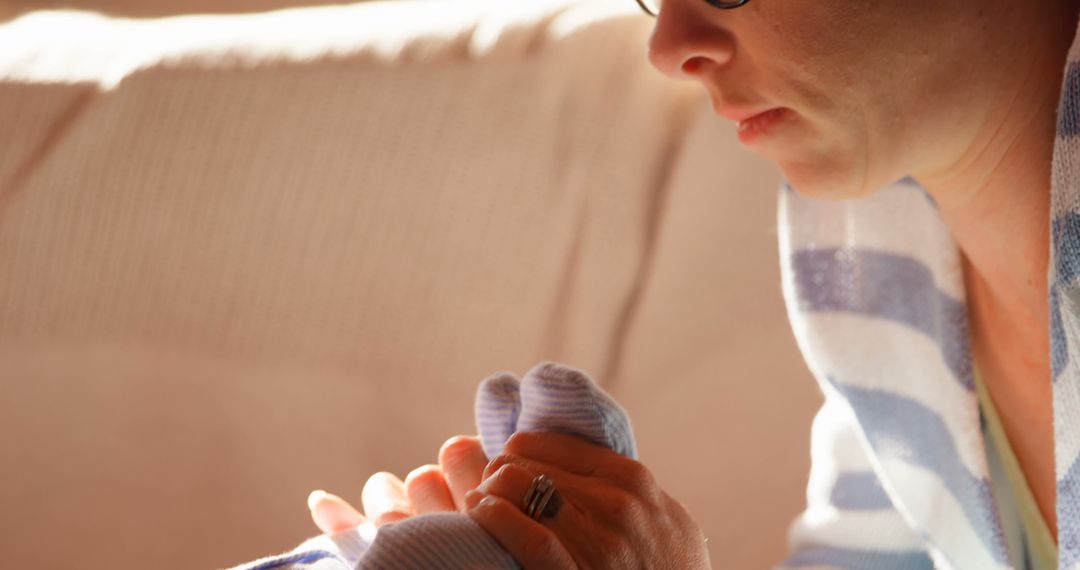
(652,7)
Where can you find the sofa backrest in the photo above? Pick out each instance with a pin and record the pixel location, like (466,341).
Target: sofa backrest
(164,8)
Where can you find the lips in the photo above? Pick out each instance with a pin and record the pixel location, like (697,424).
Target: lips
(763,125)
(743,114)
(765,118)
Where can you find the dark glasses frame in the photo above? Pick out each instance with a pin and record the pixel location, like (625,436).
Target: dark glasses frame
(721,4)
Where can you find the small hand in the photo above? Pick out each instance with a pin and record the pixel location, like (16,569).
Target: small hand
(608,513)
(426,489)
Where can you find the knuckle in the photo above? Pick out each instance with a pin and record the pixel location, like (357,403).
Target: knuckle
(675,507)
(504,471)
(521,441)
(683,518)
(497,463)
(503,480)
(423,482)
(458,445)
(626,507)
(638,479)
(422,474)
(512,472)
(538,547)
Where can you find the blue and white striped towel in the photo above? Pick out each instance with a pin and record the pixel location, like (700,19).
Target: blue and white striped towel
(551,398)
(875,295)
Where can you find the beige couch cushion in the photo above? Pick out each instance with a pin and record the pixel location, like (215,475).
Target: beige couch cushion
(162,8)
(242,257)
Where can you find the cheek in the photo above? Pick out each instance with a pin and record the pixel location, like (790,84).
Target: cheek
(845,141)
(840,66)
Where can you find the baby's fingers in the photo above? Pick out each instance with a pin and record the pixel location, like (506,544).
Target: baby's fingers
(331,513)
(427,490)
(384,499)
(462,461)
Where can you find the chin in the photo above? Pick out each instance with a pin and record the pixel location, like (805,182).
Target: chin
(828,180)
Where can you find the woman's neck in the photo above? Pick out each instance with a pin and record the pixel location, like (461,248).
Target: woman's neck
(996,198)
(996,203)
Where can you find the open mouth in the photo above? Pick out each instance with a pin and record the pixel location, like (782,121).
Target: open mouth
(762,124)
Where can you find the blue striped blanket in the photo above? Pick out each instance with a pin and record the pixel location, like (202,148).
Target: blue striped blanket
(875,294)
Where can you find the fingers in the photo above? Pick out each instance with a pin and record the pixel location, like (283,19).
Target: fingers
(533,545)
(384,499)
(462,461)
(426,489)
(509,481)
(577,456)
(531,466)
(565,451)
(513,482)
(331,513)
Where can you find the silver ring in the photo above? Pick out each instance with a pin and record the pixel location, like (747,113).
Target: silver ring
(536,498)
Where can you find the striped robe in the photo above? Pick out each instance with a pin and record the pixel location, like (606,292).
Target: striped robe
(875,294)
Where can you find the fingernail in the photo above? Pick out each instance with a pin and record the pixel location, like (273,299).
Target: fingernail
(314,498)
(488,502)
(472,498)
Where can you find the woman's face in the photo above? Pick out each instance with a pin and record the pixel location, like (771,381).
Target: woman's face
(872,90)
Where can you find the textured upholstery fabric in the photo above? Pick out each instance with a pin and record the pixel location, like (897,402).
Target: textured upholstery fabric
(163,8)
(230,241)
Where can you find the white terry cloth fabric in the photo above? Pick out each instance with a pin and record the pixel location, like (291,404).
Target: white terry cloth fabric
(875,294)
(551,398)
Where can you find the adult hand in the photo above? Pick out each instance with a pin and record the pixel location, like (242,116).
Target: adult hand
(608,512)
(426,489)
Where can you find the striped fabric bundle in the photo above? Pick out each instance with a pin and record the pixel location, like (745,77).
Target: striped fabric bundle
(551,398)
(875,294)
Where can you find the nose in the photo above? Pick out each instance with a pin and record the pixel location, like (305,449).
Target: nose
(687,42)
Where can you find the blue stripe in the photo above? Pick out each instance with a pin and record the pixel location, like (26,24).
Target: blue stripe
(1069,111)
(907,181)
(852,559)
(308,557)
(572,422)
(910,184)
(1059,348)
(886,286)
(1068,515)
(1027,551)
(859,491)
(560,385)
(544,405)
(495,420)
(1066,233)
(904,429)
